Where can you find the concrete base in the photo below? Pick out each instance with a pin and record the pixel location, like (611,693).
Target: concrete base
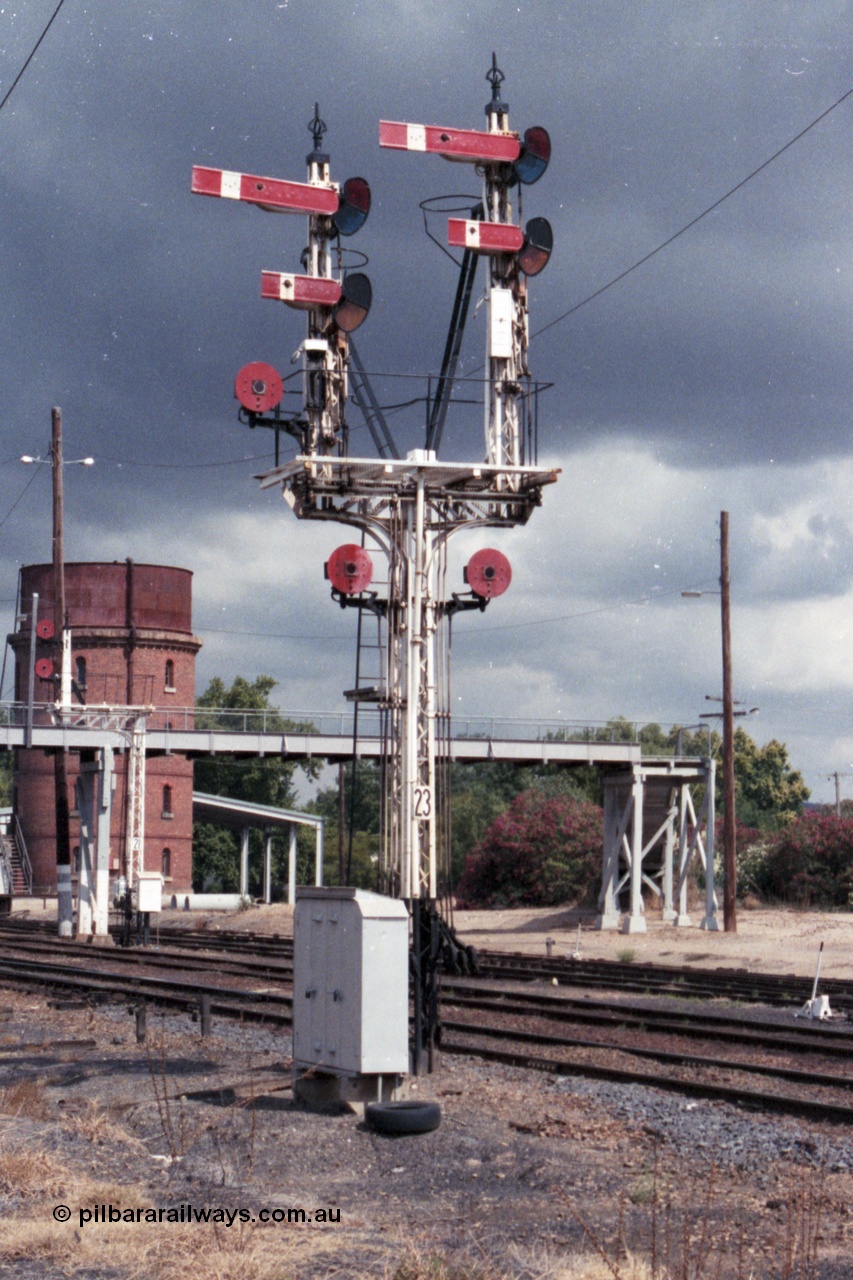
(96,939)
(608,922)
(711,923)
(682,922)
(634,924)
(321,1091)
(669,916)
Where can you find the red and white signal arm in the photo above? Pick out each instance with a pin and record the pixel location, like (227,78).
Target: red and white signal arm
(302,292)
(471,145)
(44,668)
(44,629)
(488,573)
(349,569)
(270,193)
(258,387)
(483,237)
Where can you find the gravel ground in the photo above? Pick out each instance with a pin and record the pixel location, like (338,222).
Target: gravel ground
(518,1164)
(522,1170)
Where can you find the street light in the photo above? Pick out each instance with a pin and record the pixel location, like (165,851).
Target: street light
(63,834)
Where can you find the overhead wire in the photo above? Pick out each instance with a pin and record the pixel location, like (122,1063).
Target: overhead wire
(693,221)
(30,57)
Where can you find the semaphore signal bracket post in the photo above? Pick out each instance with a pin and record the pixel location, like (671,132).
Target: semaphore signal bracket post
(408,509)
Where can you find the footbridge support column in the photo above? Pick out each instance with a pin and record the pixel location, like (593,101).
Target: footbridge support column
(654,831)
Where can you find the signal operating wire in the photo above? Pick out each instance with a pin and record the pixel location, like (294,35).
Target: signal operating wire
(693,221)
(32,54)
(20,497)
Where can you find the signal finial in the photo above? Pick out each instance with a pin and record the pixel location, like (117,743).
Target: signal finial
(496,78)
(317,127)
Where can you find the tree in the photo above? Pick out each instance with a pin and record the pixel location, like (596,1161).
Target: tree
(361,811)
(768,792)
(543,850)
(258,781)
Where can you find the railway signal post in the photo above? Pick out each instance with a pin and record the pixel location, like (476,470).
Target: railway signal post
(408,509)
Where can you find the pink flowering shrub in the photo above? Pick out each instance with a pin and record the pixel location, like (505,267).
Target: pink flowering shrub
(810,862)
(544,850)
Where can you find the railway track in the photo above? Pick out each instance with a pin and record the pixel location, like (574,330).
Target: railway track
(778,1064)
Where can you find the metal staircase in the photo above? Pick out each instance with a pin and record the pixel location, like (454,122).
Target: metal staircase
(16,872)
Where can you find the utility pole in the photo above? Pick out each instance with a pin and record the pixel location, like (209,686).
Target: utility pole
(729,849)
(63,842)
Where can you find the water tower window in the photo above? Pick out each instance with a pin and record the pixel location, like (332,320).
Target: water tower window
(167,801)
(167,864)
(170,676)
(80,673)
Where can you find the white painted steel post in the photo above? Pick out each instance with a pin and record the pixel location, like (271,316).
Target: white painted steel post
(710,922)
(635,921)
(103,814)
(244,862)
(84,792)
(682,917)
(267,865)
(318,857)
(291,863)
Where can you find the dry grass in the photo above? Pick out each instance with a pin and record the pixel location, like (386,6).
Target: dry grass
(154,1251)
(95,1124)
(25,1099)
(30,1173)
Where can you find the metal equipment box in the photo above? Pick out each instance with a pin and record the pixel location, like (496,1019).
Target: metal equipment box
(350,982)
(149,887)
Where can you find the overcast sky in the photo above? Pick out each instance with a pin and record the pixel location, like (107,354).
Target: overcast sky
(717,376)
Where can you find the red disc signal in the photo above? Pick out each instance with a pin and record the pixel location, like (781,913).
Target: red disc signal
(44,629)
(258,387)
(488,573)
(354,206)
(349,569)
(534,157)
(44,669)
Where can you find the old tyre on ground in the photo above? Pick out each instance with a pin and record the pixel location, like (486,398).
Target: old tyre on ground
(398,1118)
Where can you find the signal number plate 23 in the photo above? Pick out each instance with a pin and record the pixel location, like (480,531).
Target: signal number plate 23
(423,803)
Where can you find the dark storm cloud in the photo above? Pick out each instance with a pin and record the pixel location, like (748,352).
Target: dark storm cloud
(682,390)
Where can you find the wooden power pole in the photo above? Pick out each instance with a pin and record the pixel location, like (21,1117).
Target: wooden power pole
(63,841)
(729,847)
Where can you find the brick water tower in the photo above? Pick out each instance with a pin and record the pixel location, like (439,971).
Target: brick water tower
(132,644)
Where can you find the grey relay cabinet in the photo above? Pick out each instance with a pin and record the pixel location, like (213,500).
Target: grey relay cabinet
(351,986)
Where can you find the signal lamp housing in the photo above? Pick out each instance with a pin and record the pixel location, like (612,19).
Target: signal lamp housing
(535,156)
(45,629)
(349,569)
(488,573)
(258,387)
(356,297)
(353,207)
(44,669)
(538,244)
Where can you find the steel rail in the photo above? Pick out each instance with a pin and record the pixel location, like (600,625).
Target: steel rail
(275,1008)
(807,1107)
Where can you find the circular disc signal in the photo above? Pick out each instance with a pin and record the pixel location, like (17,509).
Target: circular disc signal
(488,573)
(349,569)
(258,387)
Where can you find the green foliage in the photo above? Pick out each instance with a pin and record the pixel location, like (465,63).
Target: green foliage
(7,770)
(362,812)
(768,792)
(542,850)
(216,859)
